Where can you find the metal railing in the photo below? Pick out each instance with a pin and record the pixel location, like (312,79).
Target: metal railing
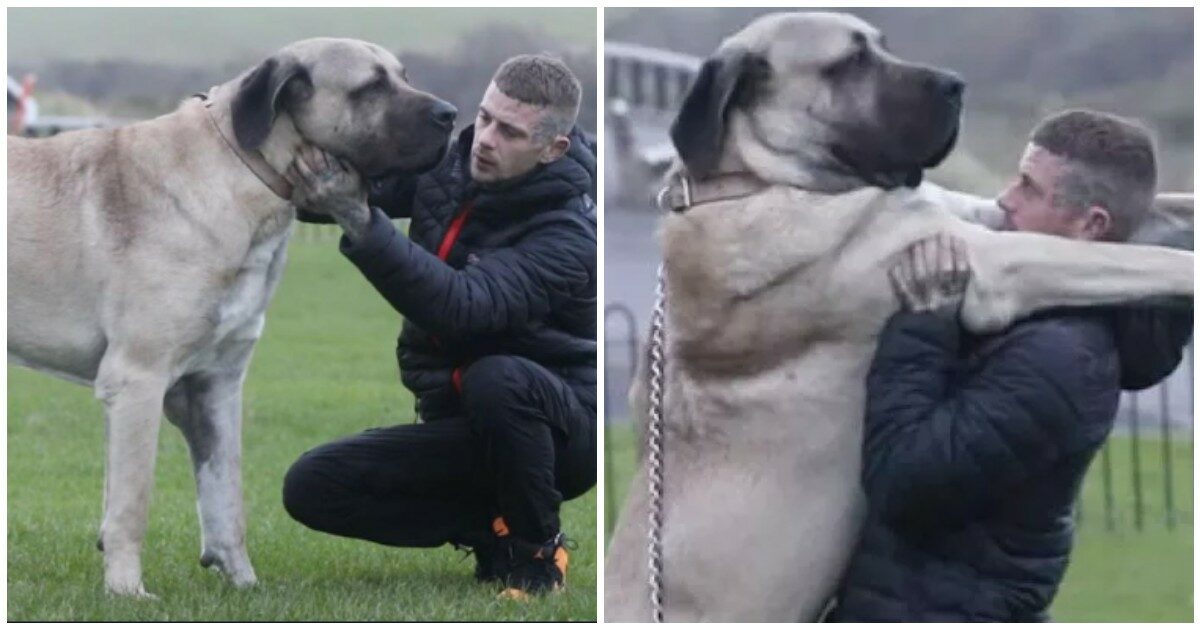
(1171,405)
(648,77)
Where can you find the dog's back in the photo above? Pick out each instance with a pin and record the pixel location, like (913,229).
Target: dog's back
(53,281)
(95,215)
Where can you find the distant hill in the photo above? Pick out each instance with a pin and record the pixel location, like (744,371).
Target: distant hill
(1019,64)
(211,37)
(140,63)
(1068,50)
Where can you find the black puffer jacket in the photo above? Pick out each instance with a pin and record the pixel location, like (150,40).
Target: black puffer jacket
(974,452)
(519,278)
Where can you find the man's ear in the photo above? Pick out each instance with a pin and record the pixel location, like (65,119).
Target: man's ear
(1096,223)
(556,149)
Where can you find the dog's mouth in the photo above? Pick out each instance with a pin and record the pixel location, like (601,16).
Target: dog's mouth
(416,168)
(945,149)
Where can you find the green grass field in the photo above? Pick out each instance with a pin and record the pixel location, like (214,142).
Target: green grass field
(1118,575)
(325,368)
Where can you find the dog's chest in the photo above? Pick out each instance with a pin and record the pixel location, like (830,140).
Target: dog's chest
(243,302)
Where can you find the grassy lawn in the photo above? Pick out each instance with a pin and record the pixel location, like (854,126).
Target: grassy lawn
(325,368)
(1118,575)
(1125,574)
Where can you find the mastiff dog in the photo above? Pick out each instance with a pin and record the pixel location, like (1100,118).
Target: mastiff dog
(802,143)
(141,260)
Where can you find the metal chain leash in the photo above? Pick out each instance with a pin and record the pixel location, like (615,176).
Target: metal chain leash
(654,432)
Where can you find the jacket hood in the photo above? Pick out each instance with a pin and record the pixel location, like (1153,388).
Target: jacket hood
(1151,338)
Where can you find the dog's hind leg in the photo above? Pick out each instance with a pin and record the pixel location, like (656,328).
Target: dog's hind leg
(132,392)
(207,408)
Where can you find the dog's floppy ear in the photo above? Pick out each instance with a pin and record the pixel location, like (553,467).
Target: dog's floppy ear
(258,99)
(698,131)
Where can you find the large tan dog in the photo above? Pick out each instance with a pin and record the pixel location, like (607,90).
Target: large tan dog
(141,261)
(775,299)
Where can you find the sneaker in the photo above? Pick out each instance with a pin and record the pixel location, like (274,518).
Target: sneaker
(483,547)
(531,569)
(485,565)
(485,560)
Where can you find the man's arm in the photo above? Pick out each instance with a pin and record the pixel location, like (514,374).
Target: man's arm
(939,443)
(938,450)
(504,289)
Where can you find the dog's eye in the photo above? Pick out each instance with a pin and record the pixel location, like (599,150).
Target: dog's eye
(858,59)
(378,84)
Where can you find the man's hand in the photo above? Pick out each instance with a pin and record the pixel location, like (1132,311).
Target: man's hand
(932,275)
(324,184)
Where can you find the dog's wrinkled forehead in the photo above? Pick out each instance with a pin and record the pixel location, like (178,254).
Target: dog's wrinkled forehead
(799,41)
(346,63)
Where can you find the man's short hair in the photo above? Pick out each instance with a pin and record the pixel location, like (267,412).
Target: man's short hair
(542,81)
(1110,164)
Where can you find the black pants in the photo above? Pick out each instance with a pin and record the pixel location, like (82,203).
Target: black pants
(526,442)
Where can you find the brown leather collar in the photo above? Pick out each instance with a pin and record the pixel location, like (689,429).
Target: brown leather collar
(683,192)
(253,160)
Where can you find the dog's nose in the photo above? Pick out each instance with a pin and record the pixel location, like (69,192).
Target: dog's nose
(443,114)
(950,85)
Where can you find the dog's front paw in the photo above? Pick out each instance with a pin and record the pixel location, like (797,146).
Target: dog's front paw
(234,564)
(128,588)
(123,574)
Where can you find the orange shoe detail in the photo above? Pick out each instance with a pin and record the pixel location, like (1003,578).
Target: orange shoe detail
(515,595)
(561,558)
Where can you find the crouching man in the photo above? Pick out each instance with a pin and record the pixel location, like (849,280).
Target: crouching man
(496,281)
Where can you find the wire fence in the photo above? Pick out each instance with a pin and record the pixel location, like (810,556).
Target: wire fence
(1140,471)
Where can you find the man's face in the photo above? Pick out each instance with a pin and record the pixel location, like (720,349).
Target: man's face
(505,146)
(1028,202)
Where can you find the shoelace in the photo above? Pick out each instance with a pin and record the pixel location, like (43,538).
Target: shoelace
(467,551)
(545,551)
(559,540)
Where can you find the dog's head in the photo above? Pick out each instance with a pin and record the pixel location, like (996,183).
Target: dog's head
(821,92)
(348,97)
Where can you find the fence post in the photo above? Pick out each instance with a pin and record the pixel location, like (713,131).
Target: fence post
(1168,490)
(637,83)
(1106,461)
(609,508)
(1135,457)
(612,77)
(623,312)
